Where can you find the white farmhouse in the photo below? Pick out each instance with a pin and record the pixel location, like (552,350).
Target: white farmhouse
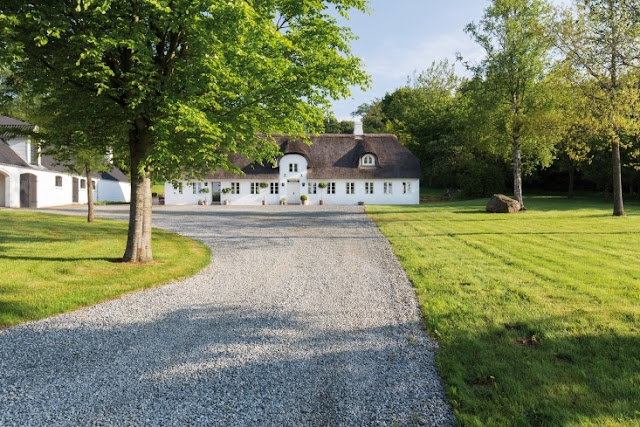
(370,169)
(31,180)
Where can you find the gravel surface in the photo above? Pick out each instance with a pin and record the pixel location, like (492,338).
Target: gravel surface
(304,317)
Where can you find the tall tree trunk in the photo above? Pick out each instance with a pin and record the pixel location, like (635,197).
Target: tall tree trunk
(517,171)
(618,202)
(572,180)
(139,235)
(90,207)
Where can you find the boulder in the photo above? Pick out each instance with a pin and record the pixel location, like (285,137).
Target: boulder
(500,203)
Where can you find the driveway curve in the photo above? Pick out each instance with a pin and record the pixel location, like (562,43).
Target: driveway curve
(304,317)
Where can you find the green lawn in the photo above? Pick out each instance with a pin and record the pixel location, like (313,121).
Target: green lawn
(53,263)
(537,314)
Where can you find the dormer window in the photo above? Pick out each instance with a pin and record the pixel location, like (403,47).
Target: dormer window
(293,167)
(368,160)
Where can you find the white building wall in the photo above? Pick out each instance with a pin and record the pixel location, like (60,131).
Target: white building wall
(111,191)
(396,197)
(48,194)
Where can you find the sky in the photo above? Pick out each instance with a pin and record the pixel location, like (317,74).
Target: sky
(399,37)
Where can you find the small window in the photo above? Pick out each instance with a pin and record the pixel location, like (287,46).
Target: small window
(195,189)
(293,167)
(351,188)
(35,154)
(58,181)
(83,183)
(312,188)
(331,188)
(93,184)
(368,160)
(274,188)
(235,188)
(368,187)
(255,188)
(388,188)
(406,187)
(178,187)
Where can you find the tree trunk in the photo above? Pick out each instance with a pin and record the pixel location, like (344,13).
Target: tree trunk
(618,202)
(572,179)
(517,171)
(139,234)
(90,207)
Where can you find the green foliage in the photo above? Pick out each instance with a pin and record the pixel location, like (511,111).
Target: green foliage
(322,185)
(304,197)
(332,125)
(179,86)
(536,313)
(53,264)
(481,179)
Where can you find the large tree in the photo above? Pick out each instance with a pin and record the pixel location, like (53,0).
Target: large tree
(513,37)
(601,38)
(192,81)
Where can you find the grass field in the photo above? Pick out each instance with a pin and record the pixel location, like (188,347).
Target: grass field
(537,313)
(50,264)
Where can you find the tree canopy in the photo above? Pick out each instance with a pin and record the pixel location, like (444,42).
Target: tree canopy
(183,83)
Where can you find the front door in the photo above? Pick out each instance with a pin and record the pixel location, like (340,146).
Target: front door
(74,190)
(215,192)
(28,190)
(293,192)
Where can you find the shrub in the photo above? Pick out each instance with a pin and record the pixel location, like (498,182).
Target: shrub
(303,197)
(322,185)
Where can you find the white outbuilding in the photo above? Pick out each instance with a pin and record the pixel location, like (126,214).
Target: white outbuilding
(31,180)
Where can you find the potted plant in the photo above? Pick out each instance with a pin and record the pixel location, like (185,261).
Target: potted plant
(304,199)
(264,185)
(283,201)
(322,186)
(205,191)
(226,191)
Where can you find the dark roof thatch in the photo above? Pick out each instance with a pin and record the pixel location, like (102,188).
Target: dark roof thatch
(9,127)
(335,156)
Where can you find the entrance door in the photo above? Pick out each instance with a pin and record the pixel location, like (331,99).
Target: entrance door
(215,192)
(28,190)
(74,190)
(293,192)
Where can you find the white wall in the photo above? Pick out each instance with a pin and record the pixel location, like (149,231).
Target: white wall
(397,196)
(49,195)
(111,191)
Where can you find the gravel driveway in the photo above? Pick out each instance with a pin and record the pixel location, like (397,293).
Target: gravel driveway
(304,317)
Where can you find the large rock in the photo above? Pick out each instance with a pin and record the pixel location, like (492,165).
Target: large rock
(500,203)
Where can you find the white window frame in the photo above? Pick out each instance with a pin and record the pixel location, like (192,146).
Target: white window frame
(368,187)
(368,160)
(235,188)
(331,188)
(388,188)
(293,167)
(351,188)
(406,188)
(255,188)
(312,188)
(274,188)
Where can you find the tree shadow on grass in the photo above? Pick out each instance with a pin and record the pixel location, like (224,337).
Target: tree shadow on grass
(516,375)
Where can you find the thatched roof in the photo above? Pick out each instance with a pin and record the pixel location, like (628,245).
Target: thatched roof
(335,156)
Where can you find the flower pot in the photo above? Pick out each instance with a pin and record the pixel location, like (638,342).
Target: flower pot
(264,202)
(322,202)
(305,202)
(226,202)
